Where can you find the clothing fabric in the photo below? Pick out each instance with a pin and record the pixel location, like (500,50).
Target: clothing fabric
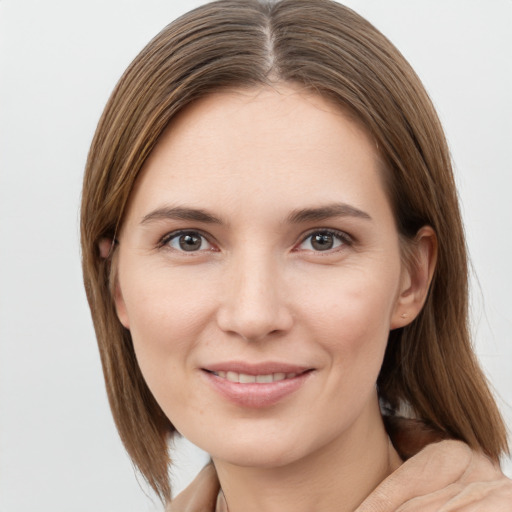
(409,436)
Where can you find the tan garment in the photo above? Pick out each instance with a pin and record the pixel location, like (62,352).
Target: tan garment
(204,493)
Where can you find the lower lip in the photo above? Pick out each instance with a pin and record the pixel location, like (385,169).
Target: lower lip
(256,395)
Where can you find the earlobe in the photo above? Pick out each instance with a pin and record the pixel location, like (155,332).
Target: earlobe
(416,278)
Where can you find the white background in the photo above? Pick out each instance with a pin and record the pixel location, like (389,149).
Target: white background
(59,61)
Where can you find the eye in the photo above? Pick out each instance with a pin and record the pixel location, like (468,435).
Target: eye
(324,240)
(186,241)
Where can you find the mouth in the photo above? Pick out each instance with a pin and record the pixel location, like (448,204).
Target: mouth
(245,378)
(256,386)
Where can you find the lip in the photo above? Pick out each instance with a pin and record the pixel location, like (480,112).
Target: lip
(255,369)
(256,395)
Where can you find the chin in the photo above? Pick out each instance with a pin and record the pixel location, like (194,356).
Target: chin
(257,456)
(246,450)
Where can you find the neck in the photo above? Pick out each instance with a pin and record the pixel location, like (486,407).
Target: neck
(337,477)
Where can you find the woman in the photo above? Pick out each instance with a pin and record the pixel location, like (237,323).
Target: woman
(274,257)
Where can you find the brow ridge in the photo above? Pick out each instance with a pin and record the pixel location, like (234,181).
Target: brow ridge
(320,213)
(302,215)
(181,213)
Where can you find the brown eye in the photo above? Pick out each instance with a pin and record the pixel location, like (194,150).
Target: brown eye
(324,241)
(188,241)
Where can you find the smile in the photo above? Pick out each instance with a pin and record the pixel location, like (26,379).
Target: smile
(256,386)
(244,378)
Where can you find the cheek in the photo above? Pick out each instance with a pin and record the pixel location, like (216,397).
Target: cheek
(356,304)
(163,305)
(165,323)
(350,318)
(166,317)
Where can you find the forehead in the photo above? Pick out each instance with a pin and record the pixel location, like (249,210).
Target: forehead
(266,116)
(283,142)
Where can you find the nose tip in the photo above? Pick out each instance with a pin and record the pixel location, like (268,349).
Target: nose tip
(253,330)
(254,307)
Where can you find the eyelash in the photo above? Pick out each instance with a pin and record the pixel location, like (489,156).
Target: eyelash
(341,236)
(344,238)
(164,241)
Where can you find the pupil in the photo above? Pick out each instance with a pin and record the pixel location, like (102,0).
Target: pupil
(190,242)
(322,241)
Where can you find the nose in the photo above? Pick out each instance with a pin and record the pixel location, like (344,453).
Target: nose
(254,305)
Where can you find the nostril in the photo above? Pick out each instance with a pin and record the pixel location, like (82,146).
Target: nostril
(253,325)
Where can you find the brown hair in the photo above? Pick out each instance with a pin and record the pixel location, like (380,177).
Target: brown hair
(328,49)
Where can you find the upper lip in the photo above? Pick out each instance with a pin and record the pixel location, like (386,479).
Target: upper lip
(263,368)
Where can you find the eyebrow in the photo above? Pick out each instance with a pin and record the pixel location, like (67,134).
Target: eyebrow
(295,217)
(181,213)
(326,212)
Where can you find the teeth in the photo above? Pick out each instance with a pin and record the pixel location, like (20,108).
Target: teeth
(232,377)
(265,378)
(244,378)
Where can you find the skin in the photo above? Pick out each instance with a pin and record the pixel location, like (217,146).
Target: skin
(444,477)
(257,289)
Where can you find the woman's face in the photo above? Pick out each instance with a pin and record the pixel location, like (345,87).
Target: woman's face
(259,273)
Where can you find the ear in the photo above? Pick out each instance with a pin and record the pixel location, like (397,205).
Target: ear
(106,250)
(105,247)
(416,277)
(121,310)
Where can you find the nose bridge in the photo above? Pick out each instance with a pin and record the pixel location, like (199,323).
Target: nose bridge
(253,305)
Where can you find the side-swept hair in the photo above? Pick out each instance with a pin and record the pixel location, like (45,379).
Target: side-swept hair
(330,50)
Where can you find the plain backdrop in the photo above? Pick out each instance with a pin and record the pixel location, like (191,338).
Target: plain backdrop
(59,60)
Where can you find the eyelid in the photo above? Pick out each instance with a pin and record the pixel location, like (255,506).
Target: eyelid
(164,240)
(345,238)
